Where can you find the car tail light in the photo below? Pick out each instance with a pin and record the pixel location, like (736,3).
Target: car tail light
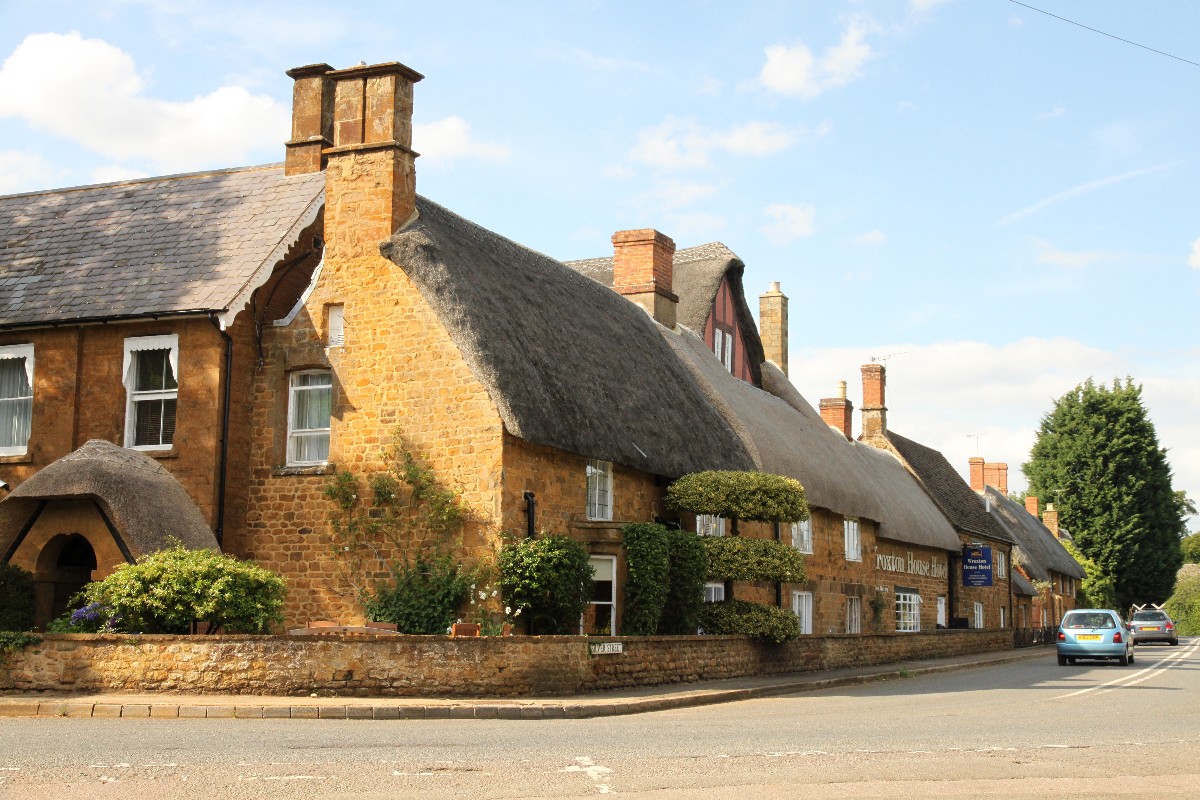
(1062,637)
(1117,638)
(1170,626)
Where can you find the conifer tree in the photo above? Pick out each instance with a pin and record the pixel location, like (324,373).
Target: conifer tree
(1097,458)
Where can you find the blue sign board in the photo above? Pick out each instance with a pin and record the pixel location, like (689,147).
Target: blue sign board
(977,565)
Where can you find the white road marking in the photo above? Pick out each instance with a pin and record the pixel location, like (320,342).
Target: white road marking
(593,771)
(1133,679)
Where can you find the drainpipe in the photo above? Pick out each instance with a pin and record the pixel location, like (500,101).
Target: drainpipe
(221,477)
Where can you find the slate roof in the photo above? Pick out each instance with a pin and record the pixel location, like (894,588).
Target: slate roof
(963,507)
(142,499)
(185,243)
(1040,549)
(567,362)
(697,273)
(786,436)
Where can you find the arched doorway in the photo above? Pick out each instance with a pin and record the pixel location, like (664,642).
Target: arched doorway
(64,566)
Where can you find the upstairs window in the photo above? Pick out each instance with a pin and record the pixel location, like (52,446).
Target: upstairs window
(310,403)
(853,542)
(16,398)
(714,592)
(710,525)
(802,537)
(151,390)
(1001,562)
(599,490)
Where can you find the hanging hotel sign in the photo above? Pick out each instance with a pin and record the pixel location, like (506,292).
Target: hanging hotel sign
(977,565)
(910,565)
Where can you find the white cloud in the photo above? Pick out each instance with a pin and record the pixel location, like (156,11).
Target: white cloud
(789,223)
(698,225)
(796,71)
(1080,190)
(89,92)
(670,194)
(1054,113)
(1194,258)
(1079,259)
(26,171)
(943,394)
(450,138)
(871,239)
(114,174)
(682,143)
(925,6)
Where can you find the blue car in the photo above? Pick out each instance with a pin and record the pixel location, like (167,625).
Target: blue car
(1094,633)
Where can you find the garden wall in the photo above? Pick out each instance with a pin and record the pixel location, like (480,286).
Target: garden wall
(383,666)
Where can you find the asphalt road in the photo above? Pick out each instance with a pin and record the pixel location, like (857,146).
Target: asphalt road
(1026,729)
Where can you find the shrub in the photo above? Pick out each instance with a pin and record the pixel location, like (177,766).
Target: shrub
(91,618)
(167,591)
(733,617)
(1184,603)
(733,558)
(422,596)
(548,580)
(16,598)
(757,496)
(688,564)
(647,556)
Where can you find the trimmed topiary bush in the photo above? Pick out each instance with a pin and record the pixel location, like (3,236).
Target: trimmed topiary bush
(647,556)
(688,565)
(548,581)
(740,559)
(16,598)
(737,617)
(422,597)
(756,496)
(165,592)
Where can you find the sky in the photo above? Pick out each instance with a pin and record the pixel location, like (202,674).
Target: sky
(996,203)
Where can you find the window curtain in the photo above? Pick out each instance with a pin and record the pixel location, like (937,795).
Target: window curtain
(16,403)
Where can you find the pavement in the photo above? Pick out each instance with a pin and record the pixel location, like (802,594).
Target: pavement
(599,704)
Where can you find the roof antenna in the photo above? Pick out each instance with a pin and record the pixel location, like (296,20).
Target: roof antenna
(976,437)
(883,359)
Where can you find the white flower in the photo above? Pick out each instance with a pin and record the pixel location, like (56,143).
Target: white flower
(507,610)
(517,613)
(483,595)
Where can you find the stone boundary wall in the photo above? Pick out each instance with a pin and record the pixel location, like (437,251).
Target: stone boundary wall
(410,666)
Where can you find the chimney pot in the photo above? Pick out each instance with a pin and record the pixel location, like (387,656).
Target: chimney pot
(643,267)
(1031,504)
(1050,519)
(773,325)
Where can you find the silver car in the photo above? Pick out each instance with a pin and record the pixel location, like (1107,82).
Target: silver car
(1094,633)
(1152,626)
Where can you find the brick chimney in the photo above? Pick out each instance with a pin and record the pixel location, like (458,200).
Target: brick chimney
(838,412)
(773,330)
(643,262)
(996,474)
(874,411)
(356,124)
(975,467)
(1050,519)
(1031,504)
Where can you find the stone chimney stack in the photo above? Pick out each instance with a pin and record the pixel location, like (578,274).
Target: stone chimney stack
(1050,519)
(874,410)
(356,124)
(975,467)
(838,412)
(1031,504)
(996,474)
(643,266)
(773,329)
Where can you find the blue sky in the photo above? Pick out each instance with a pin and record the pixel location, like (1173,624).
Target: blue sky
(1003,203)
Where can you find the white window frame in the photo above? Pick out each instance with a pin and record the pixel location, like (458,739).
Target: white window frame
(802,607)
(719,344)
(714,592)
(137,344)
(853,614)
(853,538)
(941,611)
(611,602)
(335,325)
(295,433)
(710,525)
(599,490)
(1003,617)
(908,611)
(978,616)
(1000,559)
(24,351)
(802,536)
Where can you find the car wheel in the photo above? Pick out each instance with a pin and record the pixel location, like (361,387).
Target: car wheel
(1062,661)
(1125,660)
(1174,643)
(1070,661)
(1132,658)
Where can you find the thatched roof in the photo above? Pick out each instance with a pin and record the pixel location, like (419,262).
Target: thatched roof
(786,436)
(697,275)
(948,489)
(1041,549)
(567,362)
(172,245)
(145,503)
(1021,584)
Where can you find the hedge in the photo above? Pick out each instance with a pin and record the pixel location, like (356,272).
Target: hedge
(16,598)
(738,617)
(755,496)
(735,558)
(548,580)
(688,565)
(647,557)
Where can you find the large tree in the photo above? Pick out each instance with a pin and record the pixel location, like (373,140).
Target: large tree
(1098,460)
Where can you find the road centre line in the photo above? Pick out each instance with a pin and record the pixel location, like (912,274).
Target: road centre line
(1133,679)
